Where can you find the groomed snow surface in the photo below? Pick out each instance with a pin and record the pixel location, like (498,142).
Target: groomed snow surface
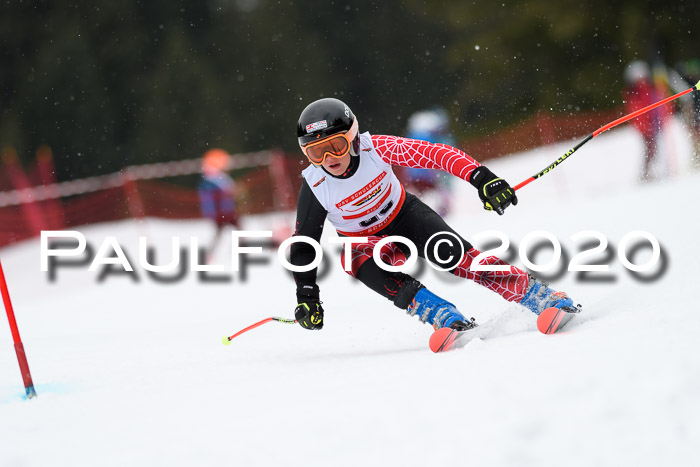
(135,373)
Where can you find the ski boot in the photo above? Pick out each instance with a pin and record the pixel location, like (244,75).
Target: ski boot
(553,309)
(439,312)
(538,297)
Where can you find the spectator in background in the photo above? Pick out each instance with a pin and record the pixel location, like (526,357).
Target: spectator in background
(217,193)
(432,126)
(640,92)
(687,76)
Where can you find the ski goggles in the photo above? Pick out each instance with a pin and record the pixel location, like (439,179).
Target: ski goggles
(337,145)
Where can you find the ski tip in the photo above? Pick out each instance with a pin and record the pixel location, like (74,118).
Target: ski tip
(226,340)
(551,319)
(441,339)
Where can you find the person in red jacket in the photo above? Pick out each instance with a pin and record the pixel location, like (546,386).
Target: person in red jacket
(688,74)
(350,183)
(638,93)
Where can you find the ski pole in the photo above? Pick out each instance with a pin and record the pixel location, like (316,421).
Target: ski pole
(19,348)
(600,130)
(227,339)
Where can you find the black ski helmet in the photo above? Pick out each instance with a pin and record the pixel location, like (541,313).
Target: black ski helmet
(323,118)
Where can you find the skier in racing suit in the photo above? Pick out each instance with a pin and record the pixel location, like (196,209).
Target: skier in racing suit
(350,182)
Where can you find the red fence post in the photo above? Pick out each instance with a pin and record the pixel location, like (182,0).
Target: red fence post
(133,197)
(283,186)
(19,348)
(544,124)
(47,176)
(30,208)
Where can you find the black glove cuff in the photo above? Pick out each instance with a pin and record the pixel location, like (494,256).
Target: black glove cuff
(308,293)
(481,175)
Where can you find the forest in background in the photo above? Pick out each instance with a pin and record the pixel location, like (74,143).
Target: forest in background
(108,84)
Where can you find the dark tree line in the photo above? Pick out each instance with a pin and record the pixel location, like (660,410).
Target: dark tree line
(107,84)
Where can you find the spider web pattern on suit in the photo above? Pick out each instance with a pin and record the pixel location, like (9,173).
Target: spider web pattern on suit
(424,155)
(510,284)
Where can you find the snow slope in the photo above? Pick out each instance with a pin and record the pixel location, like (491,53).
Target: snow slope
(134,373)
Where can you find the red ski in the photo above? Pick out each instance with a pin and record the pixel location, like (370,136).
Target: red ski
(549,321)
(445,339)
(553,319)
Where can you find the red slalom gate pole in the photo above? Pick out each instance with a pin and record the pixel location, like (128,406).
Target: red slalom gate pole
(19,348)
(600,130)
(227,339)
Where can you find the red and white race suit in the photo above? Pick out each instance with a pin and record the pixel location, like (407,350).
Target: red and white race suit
(369,200)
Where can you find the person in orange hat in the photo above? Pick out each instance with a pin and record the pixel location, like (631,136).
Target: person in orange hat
(217,192)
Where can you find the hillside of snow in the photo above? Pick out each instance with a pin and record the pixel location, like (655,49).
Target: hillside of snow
(132,371)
